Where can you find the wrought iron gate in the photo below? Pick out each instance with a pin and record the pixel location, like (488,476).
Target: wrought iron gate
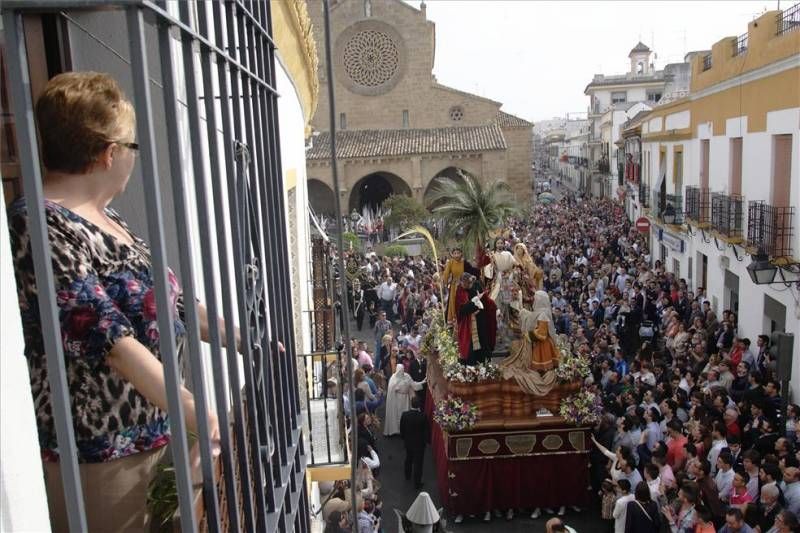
(257,484)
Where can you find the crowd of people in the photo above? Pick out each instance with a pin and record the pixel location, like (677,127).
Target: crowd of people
(391,301)
(692,437)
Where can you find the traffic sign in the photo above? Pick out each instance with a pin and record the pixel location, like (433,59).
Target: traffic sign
(643,224)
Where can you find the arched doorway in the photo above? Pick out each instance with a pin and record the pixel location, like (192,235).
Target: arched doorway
(321,198)
(371,190)
(454,173)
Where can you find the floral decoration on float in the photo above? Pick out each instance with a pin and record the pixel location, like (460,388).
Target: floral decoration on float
(582,408)
(571,367)
(439,339)
(454,414)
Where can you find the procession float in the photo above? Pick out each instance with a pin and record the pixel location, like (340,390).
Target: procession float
(510,420)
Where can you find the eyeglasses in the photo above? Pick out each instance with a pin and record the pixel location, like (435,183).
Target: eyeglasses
(129,146)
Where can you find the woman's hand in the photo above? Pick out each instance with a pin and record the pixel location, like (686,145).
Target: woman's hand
(195,461)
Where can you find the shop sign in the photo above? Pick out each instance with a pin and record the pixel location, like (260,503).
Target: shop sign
(673,242)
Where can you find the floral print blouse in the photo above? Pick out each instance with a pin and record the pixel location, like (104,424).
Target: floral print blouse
(104,291)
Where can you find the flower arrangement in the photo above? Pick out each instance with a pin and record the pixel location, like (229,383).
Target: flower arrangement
(454,414)
(471,374)
(571,367)
(581,408)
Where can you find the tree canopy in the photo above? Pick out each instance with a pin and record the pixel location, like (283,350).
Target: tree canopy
(405,212)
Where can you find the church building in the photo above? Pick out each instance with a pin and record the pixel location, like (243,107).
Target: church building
(398,129)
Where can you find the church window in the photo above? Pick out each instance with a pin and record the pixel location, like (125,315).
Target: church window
(371,58)
(405,118)
(342,121)
(640,68)
(367,8)
(654,96)
(456,113)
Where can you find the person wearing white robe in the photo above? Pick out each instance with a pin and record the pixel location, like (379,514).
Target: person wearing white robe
(398,399)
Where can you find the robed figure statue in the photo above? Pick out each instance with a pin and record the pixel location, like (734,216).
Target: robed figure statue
(534,355)
(476,322)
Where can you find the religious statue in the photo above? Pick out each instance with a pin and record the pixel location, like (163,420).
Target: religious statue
(453,270)
(526,274)
(477,322)
(534,355)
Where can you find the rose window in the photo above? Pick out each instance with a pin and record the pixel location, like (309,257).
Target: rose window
(456,113)
(371,58)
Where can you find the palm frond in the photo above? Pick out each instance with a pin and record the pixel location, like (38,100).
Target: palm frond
(470,208)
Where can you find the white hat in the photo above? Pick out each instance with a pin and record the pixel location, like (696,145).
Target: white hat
(422,511)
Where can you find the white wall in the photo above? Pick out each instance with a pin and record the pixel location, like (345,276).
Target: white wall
(293,159)
(757,149)
(23,501)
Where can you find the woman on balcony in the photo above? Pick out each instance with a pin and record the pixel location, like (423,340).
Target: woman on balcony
(107,310)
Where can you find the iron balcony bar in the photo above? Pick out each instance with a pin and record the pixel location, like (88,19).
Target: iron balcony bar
(203,174)
(178,174)
(240,166)
(20,85)
(145,132)
(242,448)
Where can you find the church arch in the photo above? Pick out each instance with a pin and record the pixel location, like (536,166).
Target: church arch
(454,173)
(371,190)
(321,197)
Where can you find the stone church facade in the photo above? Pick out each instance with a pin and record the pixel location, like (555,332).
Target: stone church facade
(397,128)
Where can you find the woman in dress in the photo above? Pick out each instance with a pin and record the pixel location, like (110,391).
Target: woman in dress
(398,399)
(107,311)
(643,514)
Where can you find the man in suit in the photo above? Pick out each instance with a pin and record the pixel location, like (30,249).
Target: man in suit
(419,371)
(414,431)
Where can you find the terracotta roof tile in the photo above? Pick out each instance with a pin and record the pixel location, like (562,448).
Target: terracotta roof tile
(507,120)
(374,143)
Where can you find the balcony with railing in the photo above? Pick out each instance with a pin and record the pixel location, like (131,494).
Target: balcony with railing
(698,206)
(644,195)
(740,45)
(668,208)
(727,216)
(789,19)
(770,229)
(225,224)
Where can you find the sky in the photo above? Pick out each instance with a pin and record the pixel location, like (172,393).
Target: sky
(536,57)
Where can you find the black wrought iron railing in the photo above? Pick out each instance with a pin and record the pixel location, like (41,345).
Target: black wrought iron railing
(668,208)
(789,19)
(740,45)
(698,205)
(217,70)
(707,62)
(727,214)
(770,228)
(644,195)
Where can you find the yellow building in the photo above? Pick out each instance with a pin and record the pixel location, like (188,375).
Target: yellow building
(726,159)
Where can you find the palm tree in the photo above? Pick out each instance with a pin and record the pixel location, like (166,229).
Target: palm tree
(472,209)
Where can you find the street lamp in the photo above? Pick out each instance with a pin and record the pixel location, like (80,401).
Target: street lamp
(760,269)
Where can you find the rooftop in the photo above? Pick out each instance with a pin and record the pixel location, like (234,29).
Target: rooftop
(374,143)
(640,47)
(601,80)
(507,120)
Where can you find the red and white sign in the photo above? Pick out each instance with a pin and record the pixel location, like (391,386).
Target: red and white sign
(643,224)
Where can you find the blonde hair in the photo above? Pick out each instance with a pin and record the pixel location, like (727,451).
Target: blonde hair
(79,114)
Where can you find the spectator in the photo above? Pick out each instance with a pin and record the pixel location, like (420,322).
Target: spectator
(643,514)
